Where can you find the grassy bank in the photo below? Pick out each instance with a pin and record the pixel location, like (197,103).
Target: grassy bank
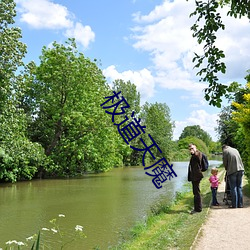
(170,227)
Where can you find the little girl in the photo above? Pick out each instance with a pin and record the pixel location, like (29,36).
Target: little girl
(214,185)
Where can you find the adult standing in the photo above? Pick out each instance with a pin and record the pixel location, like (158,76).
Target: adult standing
(195,175)
(235,169)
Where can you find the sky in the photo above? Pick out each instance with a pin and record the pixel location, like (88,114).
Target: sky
(147,42)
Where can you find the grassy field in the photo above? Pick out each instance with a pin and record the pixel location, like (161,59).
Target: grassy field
(170,227)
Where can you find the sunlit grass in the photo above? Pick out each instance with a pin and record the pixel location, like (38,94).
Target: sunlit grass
(170,226)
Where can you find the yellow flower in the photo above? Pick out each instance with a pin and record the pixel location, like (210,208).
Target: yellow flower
(237,105)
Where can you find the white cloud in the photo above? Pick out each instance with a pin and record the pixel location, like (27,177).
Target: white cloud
(234,41)
(143,80)
(167,36)
(208,122)
(44,14)
(83,34)
(165,33)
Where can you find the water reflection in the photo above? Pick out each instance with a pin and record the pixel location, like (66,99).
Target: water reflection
(104,204)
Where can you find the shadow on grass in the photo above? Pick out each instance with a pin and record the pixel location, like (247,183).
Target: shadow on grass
(246,190)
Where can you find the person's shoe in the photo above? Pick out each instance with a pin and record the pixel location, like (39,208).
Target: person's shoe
(231,206)
(241,206)
(194,212)
(217,204)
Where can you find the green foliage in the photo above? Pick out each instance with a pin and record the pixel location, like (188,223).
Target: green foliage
(129,92)
(36,243)
(196,131)
(12,50)
(20,159)
(215,147)
(65,93)
(242,116)
(158,123)
(227,127)
(233,123)
(201,146)
(205,28)
(237,8)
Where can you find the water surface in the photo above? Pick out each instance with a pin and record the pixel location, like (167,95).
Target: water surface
(104,204)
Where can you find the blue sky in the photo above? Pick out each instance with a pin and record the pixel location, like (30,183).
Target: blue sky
(148,42)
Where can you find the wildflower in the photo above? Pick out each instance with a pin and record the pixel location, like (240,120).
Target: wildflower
(78,228)
(45,229)
(53,221)
(54,230)
(10,242)
(20,243)
(61,215)
(29,238)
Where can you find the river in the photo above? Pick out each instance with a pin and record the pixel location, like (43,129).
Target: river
(105,204)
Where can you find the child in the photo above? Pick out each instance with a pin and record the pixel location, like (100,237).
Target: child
(214,185)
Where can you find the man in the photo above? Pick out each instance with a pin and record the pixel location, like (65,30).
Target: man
(235,170)
(195,175)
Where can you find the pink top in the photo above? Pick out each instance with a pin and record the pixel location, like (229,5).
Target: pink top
(214,181)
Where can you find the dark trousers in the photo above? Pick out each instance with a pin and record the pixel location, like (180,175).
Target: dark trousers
(214,196)
(197,196)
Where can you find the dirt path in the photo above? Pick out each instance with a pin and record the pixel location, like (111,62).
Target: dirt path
(225,228)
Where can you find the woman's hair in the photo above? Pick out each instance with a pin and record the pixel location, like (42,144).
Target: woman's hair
(214,170)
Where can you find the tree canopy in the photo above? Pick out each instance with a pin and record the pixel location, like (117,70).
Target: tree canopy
(205,28)
(159,125)
(201,146)
(66,91)
(233,123)
(19,157)
(196,131)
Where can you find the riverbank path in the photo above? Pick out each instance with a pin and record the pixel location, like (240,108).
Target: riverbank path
(225,228)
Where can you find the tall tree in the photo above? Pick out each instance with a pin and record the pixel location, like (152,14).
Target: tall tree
(130,93)
(132,96)
(66,91)
(207,24)
(19,157)
(227,127)
(241,115)
(158,123)
(12,51)
(230,130)
(184,142)
(196,131)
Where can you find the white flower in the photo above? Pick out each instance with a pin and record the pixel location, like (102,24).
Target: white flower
(61,215)
(45,229)
(20,243)
(54,230)
(78,228)
(29,238)
(10,242)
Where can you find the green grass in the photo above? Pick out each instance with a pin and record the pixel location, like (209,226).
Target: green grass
(170,226)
